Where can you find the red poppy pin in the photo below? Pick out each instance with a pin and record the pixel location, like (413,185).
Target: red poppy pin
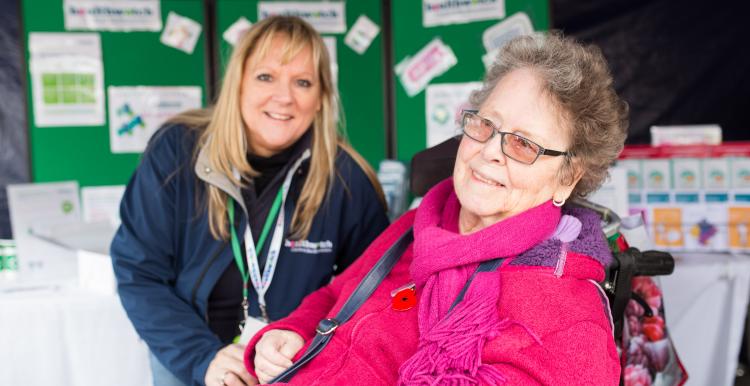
(404,298)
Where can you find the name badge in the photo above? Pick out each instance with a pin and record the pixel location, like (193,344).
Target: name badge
(252,326)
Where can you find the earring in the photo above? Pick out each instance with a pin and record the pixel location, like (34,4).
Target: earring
(558,203)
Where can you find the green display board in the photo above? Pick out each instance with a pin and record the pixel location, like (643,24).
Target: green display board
(410,36)
(136,58)
(360,77)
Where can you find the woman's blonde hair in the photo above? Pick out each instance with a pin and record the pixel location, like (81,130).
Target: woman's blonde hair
(228,146)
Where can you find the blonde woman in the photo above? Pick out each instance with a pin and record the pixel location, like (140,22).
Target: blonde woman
(237,212)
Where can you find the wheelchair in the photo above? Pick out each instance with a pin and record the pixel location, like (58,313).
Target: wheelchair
(434,164)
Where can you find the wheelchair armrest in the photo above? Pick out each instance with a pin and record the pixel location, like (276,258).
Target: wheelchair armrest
(620,273)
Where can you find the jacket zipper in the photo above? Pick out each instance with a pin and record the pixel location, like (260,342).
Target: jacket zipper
(203,274)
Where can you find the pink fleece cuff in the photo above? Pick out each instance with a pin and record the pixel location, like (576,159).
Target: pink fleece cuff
(249,357)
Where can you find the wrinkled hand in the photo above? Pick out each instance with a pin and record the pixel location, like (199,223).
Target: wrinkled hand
(274,353)
(227,368)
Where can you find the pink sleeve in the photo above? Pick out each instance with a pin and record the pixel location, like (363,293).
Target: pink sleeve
(323,302)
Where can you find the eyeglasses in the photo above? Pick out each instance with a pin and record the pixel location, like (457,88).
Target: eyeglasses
(513,145)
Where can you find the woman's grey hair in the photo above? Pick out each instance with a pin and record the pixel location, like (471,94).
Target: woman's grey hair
(577,79)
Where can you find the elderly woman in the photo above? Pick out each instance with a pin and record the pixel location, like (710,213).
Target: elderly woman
(547,127)
(239,211)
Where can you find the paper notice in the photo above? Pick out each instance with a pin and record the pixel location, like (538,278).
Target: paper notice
(324,16)
(361,35)
(108,15)
(235,31)
(431,61)
(330,43)
(66,79)
(102,203)
(36,209)
(444,105)
(181,33)
(442,12)
(135,113)
(516,25)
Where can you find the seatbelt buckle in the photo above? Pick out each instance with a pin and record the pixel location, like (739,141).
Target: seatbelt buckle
(327,326)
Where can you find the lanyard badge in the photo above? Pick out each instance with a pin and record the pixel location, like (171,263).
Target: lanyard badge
(262,281)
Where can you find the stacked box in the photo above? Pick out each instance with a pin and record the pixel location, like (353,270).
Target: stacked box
(716,197)
(663,217)
(697,231)
(739,205)
(634,171)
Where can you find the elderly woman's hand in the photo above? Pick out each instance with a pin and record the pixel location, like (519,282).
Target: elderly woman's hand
(227,368)
(274,353)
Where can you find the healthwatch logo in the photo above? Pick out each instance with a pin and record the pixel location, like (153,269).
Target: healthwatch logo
(440,5)
(110,11)
(311,247)
(324,16)
(108,15)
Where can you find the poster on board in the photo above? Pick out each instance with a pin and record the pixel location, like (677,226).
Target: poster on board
(444,12)
(443,106)
(324,16)
(135,113)
(416,72)
(112,15)
(67,80)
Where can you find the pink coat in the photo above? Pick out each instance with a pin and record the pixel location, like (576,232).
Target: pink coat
(563,335)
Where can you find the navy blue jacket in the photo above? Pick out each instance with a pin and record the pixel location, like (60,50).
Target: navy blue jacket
(166,261)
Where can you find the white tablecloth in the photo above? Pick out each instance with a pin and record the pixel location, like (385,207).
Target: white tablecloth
(69,337)
(705,301)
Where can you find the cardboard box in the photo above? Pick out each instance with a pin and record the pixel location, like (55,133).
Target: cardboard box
(716,173)
(657,174)
(740,172)
(687,173)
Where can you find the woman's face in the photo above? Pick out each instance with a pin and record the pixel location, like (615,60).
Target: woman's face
(278,101)
(491,186)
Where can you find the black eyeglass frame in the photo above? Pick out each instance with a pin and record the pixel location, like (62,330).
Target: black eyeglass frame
(495,130)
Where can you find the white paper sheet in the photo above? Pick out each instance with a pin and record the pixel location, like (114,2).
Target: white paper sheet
(444,103)
(135,113)
(442,12)
(35,209)
(361,35)
(613,194)
(235,31)
(330,43)
(516,25)
(112,15)
(324,16)
(430,62)
(102,203)
(686,135)
(181,33)
(66,79)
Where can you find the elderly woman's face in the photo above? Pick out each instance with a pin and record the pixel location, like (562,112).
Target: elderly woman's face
(278,100)
(490,185)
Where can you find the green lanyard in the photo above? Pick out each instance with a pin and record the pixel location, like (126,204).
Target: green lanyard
(263,235)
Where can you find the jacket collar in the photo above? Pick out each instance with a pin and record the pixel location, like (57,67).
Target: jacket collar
(206,173)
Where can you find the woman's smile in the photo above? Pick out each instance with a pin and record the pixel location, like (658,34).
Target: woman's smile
(486,180)
(279,117)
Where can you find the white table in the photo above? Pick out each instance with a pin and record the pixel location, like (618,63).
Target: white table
(69,336)
(706,300)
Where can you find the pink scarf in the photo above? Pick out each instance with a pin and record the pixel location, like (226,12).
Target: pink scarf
(449,349)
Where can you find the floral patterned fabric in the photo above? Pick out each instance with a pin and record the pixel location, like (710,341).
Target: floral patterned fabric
(650,358)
